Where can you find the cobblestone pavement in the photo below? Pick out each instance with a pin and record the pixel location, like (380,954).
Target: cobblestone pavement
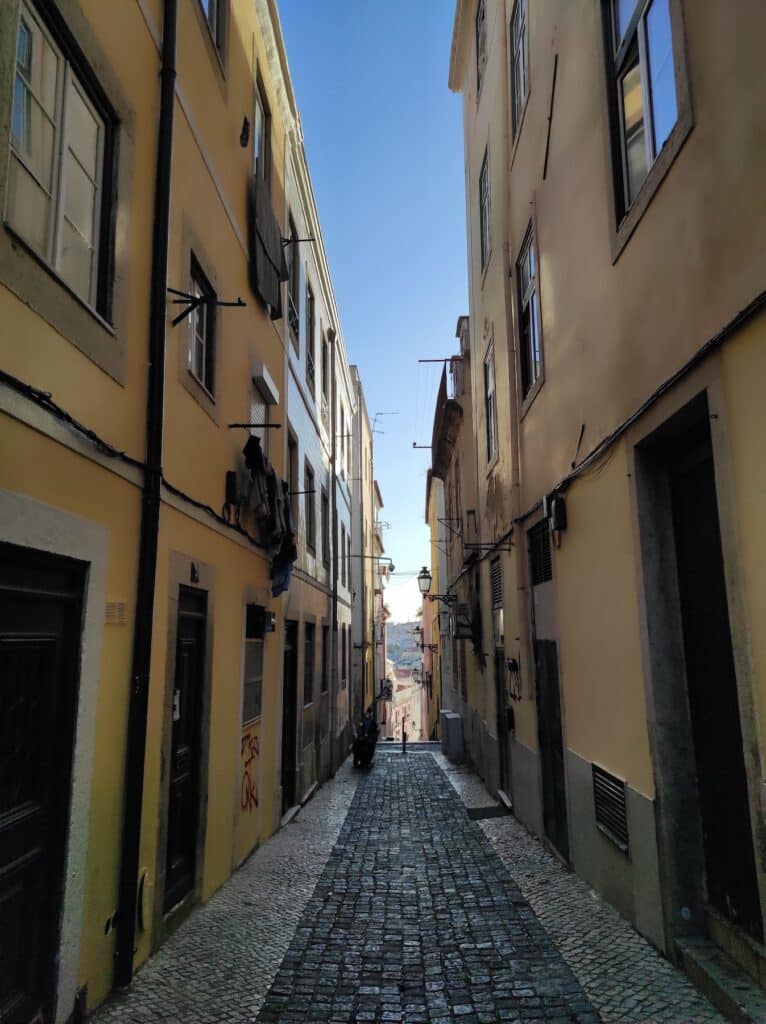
(384,902)
(216,969)
(415,919)
(624,977)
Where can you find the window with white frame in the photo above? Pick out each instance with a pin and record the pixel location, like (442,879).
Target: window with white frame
(530,346)
(643,75)
(518,41)
(490,402)
(485,239)
(253,672)
(259,417)
(202,322)
(59,142)
(343,555)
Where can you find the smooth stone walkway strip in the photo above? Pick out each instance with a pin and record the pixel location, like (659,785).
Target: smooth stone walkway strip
(624,977)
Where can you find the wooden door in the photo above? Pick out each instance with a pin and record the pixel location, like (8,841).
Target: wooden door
(289,713)
(184,797)
(40,627)
(712,687)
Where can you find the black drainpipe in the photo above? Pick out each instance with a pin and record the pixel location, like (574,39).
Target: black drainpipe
(150,516)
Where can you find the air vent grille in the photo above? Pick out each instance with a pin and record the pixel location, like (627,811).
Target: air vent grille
(540,553)
(496,579)
(611,808)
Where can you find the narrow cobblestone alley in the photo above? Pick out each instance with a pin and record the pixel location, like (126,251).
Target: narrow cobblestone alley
(385,901)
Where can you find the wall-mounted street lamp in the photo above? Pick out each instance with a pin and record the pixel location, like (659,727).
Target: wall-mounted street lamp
(424,585)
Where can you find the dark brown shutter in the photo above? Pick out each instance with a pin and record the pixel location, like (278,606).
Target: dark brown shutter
(541,569)
(611,807)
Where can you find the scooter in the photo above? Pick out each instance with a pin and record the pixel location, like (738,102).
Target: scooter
(363,749)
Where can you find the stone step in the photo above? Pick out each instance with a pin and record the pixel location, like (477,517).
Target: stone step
(726,986)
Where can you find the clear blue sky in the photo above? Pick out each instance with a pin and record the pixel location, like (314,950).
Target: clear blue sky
(384,143)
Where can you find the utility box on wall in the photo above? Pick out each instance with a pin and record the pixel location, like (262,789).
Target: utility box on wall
(452,735)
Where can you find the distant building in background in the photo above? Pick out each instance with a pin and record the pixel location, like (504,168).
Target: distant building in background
(602,458)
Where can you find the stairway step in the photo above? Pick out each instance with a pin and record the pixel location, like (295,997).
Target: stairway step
(727,987)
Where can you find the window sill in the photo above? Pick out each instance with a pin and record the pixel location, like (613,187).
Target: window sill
(531,395)
(252,721)
(68,313)
(204,399)
(492,462)
(657,172)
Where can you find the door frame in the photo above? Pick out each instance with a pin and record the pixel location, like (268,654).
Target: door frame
(184,571)
(28,523)
(681,862)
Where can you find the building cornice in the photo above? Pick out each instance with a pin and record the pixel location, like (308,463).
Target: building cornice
(455,79)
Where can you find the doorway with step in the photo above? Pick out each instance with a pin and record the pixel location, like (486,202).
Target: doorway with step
(41,611)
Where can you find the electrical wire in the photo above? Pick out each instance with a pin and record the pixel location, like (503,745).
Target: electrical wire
(44,400)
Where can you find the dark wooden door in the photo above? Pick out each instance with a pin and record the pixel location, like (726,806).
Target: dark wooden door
(712,687)
(183,804)
(501,702)
(40,627)
(551,745)
(289,710)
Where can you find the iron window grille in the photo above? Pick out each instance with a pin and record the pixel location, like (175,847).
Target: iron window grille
(310,329)
(481,43)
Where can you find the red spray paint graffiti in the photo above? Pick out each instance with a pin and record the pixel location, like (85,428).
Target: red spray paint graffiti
(249,751)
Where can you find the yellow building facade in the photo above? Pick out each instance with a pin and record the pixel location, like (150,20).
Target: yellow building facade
(615,432)
(152,331)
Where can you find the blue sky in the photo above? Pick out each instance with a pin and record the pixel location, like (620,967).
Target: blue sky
(384,143)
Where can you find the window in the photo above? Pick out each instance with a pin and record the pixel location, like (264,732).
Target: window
(253,682)
(202,320)
(342,440)
(530,349)
(481,43)
(540,565)
(261,134)
(490,402)
(325,528)
(519,84)
(343,657)
(325,658)
(310,329)
(484,210)
(214,14)
(293,284)
(644,88)
(343,554)
(259,414)
(348,556)
(325,380)
(311,539)
(308,662)
(292,471)
(59,162)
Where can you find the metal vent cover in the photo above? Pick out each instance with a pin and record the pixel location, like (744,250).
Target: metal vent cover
(539,539)
(496,581)
(609,798)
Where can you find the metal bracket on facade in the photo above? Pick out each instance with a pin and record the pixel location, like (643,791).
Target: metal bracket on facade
(446,522)
(289,241)
(192,301)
